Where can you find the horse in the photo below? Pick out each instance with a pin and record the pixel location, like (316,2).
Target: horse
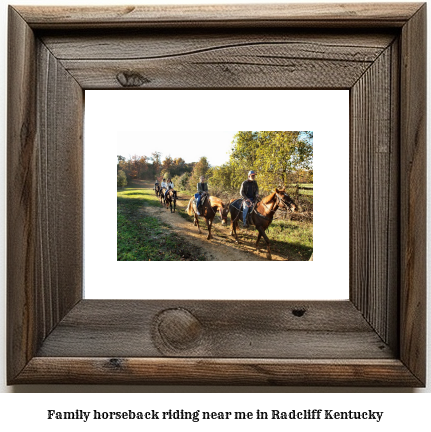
(162,195)
(261,215)
(157,189)
(171,197)
(208,210)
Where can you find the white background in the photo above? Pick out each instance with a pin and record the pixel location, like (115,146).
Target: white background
(403,410)
(323,112)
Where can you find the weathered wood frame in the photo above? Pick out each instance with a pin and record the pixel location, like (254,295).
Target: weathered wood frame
(376,338)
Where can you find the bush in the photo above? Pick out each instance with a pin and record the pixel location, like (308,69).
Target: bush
(121,179)
(181,182)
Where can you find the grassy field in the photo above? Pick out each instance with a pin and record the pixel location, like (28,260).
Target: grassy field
(288,237)
(291,238)
(141,237)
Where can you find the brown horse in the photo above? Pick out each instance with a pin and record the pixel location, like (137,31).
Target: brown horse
(208,210)
(157,190)
(171,197)
(162,195)
(261,215)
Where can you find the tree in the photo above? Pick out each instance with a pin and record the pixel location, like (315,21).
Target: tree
(167,163)
(243,156)
(157,162)
(181,182)
(165,174)
(276,156)
(202,168)
(121,179)
(178,166)
(221,177)
(120,159)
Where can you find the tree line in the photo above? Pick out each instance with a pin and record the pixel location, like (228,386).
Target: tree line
(280,158)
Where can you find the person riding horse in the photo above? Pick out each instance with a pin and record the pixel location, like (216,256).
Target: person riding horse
(163,185)
(169,186)
(249,191)
(202,189)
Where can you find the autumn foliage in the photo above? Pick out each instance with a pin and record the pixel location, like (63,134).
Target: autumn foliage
(280,158)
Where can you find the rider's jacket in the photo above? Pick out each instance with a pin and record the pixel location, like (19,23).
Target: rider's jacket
(249,189)
(202,187)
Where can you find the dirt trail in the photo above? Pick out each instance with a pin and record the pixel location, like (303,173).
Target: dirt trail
(222,246)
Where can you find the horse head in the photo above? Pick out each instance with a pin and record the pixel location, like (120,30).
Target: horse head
(285,201)
(224,210)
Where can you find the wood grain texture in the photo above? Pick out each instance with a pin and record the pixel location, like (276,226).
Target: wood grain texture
(217,371)
(55,337)
(193,59)
(44,194)
(59,180)
(300,14)
(146,45)
(240,329)
(413,194)
(21,194)
(256,61)
(374,194)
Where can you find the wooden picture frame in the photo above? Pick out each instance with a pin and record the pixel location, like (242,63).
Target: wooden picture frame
(376,338)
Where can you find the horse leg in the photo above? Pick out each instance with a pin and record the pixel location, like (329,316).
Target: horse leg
(235,226)
(195,216)
(197,223)
(231,227)
(175,205)
(209,225)
(268,253)
(257,241)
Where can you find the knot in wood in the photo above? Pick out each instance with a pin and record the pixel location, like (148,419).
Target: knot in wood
(298,312)
(131,79)
(178,329)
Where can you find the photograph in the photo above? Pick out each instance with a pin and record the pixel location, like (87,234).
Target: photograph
(260,181)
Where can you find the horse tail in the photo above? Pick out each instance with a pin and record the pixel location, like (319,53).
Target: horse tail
(189,208)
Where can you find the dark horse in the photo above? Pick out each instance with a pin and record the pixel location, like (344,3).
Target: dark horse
(261,215)
(171,197)
(157,189)
(208,210)
(162,194)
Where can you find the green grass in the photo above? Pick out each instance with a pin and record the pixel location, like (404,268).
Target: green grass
(287,237)
(292,238)
(141,237)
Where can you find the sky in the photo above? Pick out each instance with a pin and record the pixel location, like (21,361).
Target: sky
(189,145)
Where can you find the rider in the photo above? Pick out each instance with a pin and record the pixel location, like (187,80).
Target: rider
(156,184)
(169,186)
(249,190)
(202,188)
